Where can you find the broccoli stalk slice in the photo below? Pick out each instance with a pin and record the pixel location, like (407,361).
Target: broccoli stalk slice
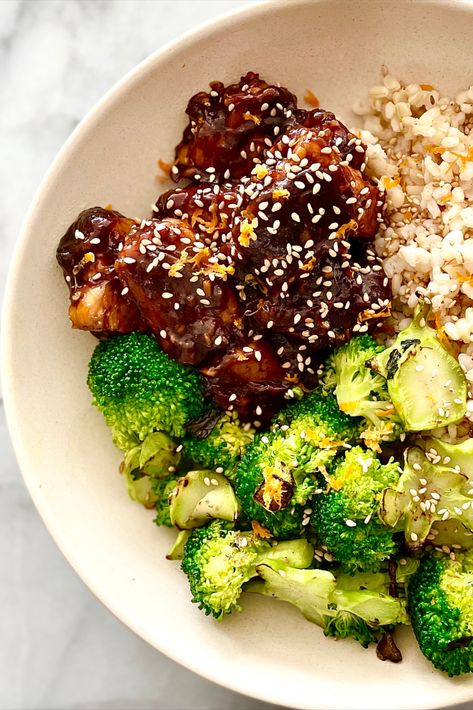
(177,550)
(218,561)
(308,590)
(456,456)
(424,494)
(440,601)
(358,612)
(201,496)
(153,459)
(425,383)
(450,534)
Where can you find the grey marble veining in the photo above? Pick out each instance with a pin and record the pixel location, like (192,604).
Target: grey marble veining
(59,647)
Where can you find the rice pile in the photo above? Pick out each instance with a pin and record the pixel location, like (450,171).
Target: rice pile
(420,152)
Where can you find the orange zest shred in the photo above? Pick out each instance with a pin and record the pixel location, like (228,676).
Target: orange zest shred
(369,314)
(309,265)
(438,150)
(426,87)
(280,193)
(251,117)
(247,232)
(259,530)
(347,227)
(272,488)
(390,183)
(260,171)
(176,267)
(165,167)
(311,99)
(88,258)
(200,256)
(338,483)
(293,379)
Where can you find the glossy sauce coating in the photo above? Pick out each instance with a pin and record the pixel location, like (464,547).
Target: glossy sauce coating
(87,254)
(256,267)
(228,128)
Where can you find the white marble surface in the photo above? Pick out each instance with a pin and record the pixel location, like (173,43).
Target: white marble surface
(59,647)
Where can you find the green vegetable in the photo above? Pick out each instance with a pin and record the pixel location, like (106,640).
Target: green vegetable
(362,392)
(450,534)
(219,560)
(424,494)
(139,389)
(457,456)
(177,550)
(200,496)
(163,488)
(357,606)
(156,457)
(440,598)
(223,447)
(425,383)
(345,517)
(276,476)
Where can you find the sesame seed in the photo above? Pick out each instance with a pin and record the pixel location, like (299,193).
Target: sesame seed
(350,523)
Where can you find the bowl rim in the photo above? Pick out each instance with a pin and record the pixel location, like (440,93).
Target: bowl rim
(253,10)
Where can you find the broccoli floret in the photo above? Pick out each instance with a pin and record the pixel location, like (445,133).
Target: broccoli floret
(440,602)
(223,447)
(201,496)
(358,606)
(139,389)
(154,458)
(276,475)
(425,383)
(426,493)
(345,517)
(219,560)
(163,489)
(361,392)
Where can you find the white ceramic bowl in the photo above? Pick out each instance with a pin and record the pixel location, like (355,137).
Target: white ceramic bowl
(63,446)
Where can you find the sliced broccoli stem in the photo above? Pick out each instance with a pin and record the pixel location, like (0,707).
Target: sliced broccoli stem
(425,383)
(201,496)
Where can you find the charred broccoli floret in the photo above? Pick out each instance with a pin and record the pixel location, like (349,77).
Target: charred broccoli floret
(440,599)
(358,606)
(345,516)
(277,474)
(361,392)
(223,447)
(426,493)
(139,389)
(219,560)
(425,383)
